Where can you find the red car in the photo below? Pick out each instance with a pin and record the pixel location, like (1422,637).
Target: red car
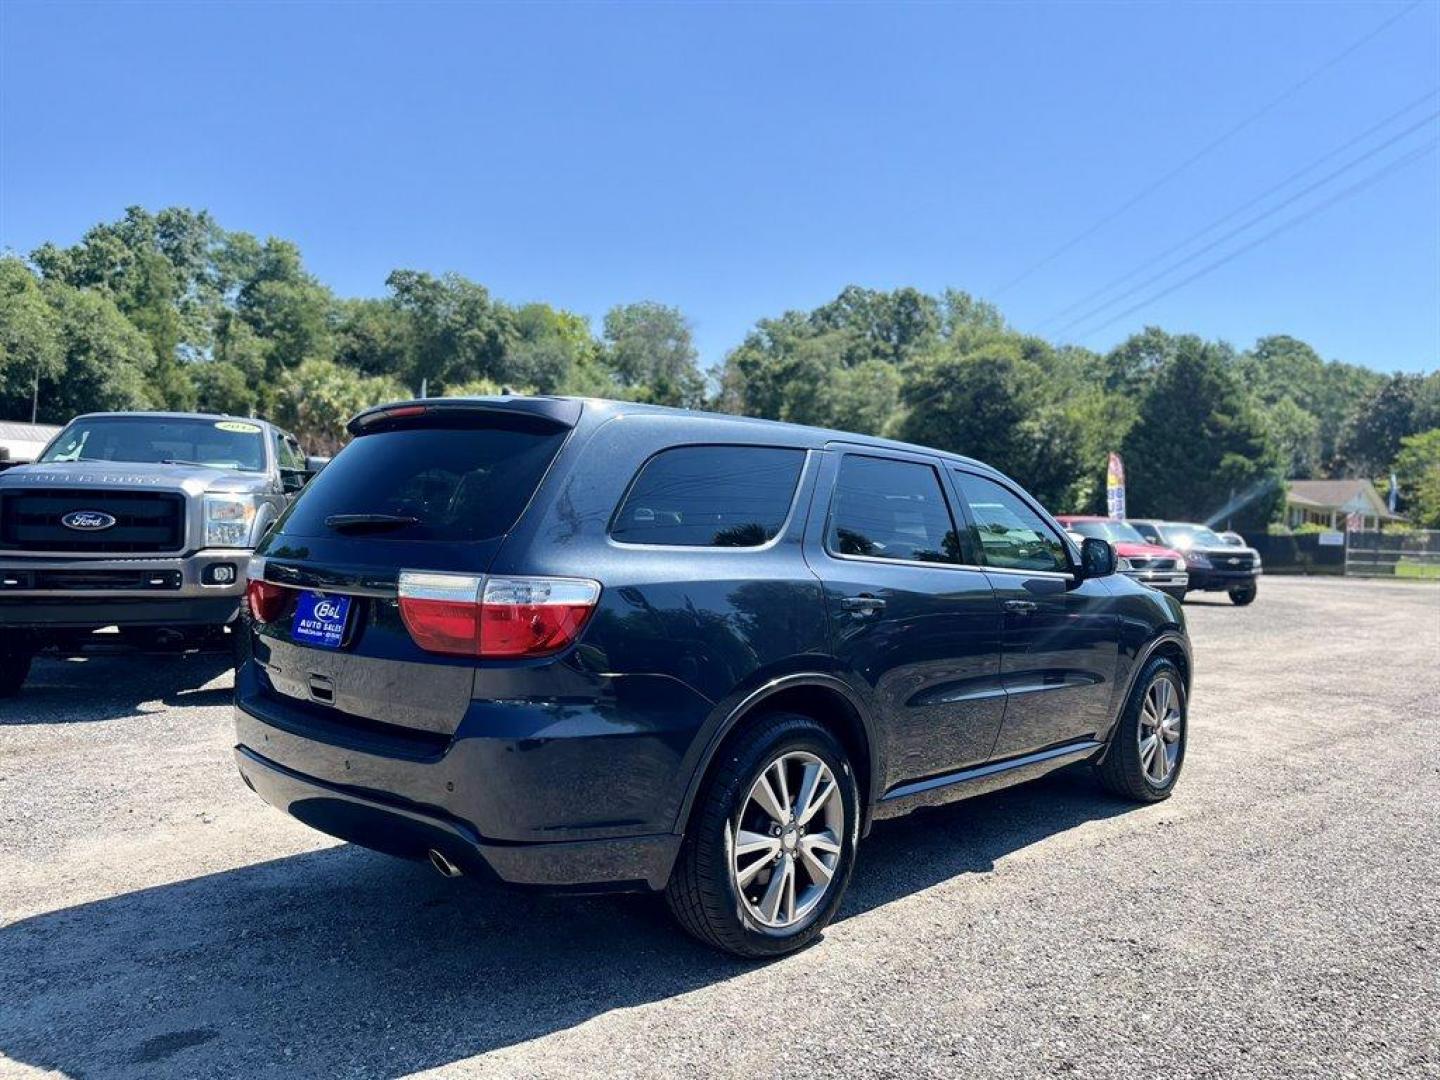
(1150,564)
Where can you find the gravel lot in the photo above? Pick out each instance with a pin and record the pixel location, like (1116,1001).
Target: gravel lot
(1280,916)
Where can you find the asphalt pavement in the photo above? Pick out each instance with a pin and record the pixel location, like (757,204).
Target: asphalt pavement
(1279,916)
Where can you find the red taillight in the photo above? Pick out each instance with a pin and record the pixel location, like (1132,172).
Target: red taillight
(265,599)
(462,614)
(442,611)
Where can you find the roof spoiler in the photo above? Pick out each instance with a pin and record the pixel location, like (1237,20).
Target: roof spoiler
(560,412)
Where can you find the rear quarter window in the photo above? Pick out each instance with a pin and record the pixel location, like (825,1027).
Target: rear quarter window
(449,484)
(710,496)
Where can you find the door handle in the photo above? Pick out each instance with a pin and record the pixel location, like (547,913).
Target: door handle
(1021,607)
(862,605)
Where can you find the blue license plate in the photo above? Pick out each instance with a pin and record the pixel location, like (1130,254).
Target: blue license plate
(320,619)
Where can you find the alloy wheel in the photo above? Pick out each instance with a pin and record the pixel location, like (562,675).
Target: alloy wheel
(786,840)
(1161,726)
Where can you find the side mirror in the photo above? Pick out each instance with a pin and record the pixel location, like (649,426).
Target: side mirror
(314,463)
(292,480)
(1097,557)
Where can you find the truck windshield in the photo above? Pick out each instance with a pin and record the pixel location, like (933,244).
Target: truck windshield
(1114,531)
(1185,537)
(214,442)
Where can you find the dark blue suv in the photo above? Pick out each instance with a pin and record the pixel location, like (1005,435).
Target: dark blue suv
(584,644)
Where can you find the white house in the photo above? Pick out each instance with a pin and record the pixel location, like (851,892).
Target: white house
(1337,504)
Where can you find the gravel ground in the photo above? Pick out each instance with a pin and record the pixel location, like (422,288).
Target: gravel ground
(1280,916)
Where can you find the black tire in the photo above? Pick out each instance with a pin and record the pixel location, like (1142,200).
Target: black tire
(702,893)
(1177,594)
(1121,770)
(1244,595)
(14,669)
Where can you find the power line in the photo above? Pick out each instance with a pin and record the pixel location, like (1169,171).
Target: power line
(1248,223)
(1354,189)
(1219,140)
(1123,278)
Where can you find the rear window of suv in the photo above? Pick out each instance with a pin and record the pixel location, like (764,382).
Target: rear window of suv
(427,483)
(710,496)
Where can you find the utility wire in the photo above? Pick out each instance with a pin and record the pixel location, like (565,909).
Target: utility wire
(1219,140)
(1249,222)
(1354,189)
(1123,278)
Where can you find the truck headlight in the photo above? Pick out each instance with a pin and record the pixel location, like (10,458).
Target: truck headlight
(227,521)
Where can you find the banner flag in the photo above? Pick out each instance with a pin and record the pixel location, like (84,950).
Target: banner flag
(1115,488)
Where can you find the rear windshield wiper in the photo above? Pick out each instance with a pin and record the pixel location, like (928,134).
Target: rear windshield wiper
(370,521)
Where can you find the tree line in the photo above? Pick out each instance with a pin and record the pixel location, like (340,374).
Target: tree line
(169,310)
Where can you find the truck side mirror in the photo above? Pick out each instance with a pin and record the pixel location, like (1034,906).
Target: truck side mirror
(1097,557)
(314,463)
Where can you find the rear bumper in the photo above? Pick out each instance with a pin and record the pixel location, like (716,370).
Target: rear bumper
(411,831)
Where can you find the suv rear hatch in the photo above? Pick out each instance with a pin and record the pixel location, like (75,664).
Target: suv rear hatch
(424,489)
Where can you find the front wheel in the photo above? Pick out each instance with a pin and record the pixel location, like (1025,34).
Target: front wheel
(771,842)
(14,666)
(1147,747)
(1243,595)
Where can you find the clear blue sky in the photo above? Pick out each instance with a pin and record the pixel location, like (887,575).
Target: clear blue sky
(739,161)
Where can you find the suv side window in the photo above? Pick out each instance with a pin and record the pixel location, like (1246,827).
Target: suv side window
(710,496)
(287,453)
(889,509)
(1008,533)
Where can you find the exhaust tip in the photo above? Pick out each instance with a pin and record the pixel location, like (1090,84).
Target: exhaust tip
(444,866)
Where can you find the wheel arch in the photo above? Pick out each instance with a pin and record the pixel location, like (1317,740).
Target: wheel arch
(1173,646)
(825,699)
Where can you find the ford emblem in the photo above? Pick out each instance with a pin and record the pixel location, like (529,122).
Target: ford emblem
(87,520)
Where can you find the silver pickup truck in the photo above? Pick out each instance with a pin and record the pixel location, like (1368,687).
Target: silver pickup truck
(138,525)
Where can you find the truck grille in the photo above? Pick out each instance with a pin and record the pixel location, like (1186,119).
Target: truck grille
(145,521)
(1142,563)
(1232,562)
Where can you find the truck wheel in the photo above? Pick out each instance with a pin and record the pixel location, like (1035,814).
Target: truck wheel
(1178,594)
(771,841)
(14,667)
(1147,747)
(1245,594)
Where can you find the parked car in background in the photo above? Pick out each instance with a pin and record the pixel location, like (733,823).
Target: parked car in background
(137,521)
(1213,564)
(586,644)
(1150,564)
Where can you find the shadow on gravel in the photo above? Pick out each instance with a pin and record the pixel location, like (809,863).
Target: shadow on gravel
(344,962)
(115,686)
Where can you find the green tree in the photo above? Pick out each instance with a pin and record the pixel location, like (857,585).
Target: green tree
(1199,447)
(108,363)
(30,346)
(651,353)
(1371,438)
(318,397)
(457,333)
(1417,467)
(224,387)
(1295,434)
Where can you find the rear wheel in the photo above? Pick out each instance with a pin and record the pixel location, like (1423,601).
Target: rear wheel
(1147,747)
(1244,594)
(14,665)
(771,842)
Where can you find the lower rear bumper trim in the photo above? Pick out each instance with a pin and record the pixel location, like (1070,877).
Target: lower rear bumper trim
(636,862)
